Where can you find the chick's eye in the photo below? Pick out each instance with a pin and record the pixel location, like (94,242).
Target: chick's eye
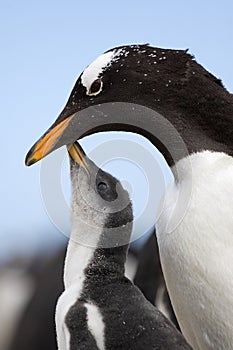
(96,87)
(102,186)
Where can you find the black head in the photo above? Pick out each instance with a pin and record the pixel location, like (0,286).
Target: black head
(168,81)
(136,74)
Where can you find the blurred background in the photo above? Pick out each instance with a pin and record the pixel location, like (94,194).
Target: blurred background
(44,48)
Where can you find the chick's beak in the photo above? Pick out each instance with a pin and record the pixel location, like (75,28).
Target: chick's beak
(77,154)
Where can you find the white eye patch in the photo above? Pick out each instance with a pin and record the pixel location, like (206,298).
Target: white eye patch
(94,71)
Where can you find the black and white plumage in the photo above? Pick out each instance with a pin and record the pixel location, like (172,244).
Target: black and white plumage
(195,230)
(100,308)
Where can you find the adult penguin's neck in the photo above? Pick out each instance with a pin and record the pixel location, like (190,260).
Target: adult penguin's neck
(199,108)
(202,112)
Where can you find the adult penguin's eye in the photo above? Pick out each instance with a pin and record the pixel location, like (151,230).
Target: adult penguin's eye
(96,87)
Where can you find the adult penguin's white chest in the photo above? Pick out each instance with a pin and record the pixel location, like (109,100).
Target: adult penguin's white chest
(195,237)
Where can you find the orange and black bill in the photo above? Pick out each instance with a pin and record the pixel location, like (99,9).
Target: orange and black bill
(47,143)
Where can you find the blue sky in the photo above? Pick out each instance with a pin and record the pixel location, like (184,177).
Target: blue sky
(44,47)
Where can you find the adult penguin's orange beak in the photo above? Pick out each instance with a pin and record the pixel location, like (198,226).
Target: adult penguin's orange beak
(48,141)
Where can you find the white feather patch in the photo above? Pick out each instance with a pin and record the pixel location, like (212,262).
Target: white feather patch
(96,324)
(77,259)
(96,68)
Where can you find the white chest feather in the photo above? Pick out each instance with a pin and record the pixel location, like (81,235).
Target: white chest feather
(195,237)
(95,324)
(78,257)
